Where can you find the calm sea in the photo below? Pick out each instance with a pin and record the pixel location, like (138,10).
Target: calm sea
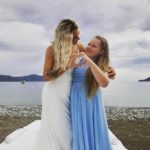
(121,94)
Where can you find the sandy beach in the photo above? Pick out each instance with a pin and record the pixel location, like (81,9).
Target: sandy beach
(135,135)
(130,125)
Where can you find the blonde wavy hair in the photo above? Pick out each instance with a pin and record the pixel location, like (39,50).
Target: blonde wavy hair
(102,62)
(62,44)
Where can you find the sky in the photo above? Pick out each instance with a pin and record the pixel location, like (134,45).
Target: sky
(27,27)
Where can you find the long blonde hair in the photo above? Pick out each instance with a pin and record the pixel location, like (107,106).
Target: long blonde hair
(62,44)
(102,62)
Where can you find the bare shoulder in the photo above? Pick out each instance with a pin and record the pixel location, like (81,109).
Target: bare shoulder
(81,47)
(49,57)
(48,63)
(49,50)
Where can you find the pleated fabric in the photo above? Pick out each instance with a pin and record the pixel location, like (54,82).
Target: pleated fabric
(89,123)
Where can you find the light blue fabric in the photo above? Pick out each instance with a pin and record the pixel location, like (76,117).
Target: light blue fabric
(89,123)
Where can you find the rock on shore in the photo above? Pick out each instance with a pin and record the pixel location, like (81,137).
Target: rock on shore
(113,113)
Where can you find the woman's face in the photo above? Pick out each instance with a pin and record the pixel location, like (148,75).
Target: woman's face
(75,37)
(93,49)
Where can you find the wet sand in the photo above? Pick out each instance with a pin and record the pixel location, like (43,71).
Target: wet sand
(134,134)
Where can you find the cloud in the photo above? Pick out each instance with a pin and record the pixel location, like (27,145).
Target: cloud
(26,27)
(145,60)
(15,63)
(130,74)
(21,36)
(5,46)
(22,48)
(108,15)
(129,46)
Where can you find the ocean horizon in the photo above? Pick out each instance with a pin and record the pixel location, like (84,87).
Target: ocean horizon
(117,94)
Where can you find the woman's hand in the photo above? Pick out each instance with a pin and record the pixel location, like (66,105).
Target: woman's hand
(86,59)
(72,62)
(99,75)
(111,73)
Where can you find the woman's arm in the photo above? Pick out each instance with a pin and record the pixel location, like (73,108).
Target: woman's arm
(81,47)
(99,75)
(48,64)
(111,72)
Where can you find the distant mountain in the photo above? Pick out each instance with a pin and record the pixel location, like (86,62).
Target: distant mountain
(147,79)
(29,78)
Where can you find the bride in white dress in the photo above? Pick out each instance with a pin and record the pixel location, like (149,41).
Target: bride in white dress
(53,132)
(55,129)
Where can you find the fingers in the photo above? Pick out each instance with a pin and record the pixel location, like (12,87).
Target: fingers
(78,65)
(82,54)
(112,76)
(112,73)
(110,69)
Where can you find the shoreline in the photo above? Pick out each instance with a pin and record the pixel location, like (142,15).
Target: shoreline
(129,124)
(112,113)
(134,134)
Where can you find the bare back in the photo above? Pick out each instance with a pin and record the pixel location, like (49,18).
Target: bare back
(49,61)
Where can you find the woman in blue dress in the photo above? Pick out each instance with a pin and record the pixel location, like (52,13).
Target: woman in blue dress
(89,123)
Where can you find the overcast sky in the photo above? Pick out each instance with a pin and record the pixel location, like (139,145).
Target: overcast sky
(27,27)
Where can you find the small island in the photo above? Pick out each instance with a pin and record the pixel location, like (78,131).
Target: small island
(144,80)
(28,78)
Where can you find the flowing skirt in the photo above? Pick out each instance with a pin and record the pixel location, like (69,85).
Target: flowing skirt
(55,129)
(89,124)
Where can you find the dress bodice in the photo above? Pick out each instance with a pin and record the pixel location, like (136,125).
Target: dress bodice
(79,73)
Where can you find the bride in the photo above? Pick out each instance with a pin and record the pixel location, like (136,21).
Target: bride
(55,129)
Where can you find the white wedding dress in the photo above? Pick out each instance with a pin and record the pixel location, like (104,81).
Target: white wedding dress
(53,131)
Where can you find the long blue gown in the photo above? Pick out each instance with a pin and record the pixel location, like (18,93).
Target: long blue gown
(89,123)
